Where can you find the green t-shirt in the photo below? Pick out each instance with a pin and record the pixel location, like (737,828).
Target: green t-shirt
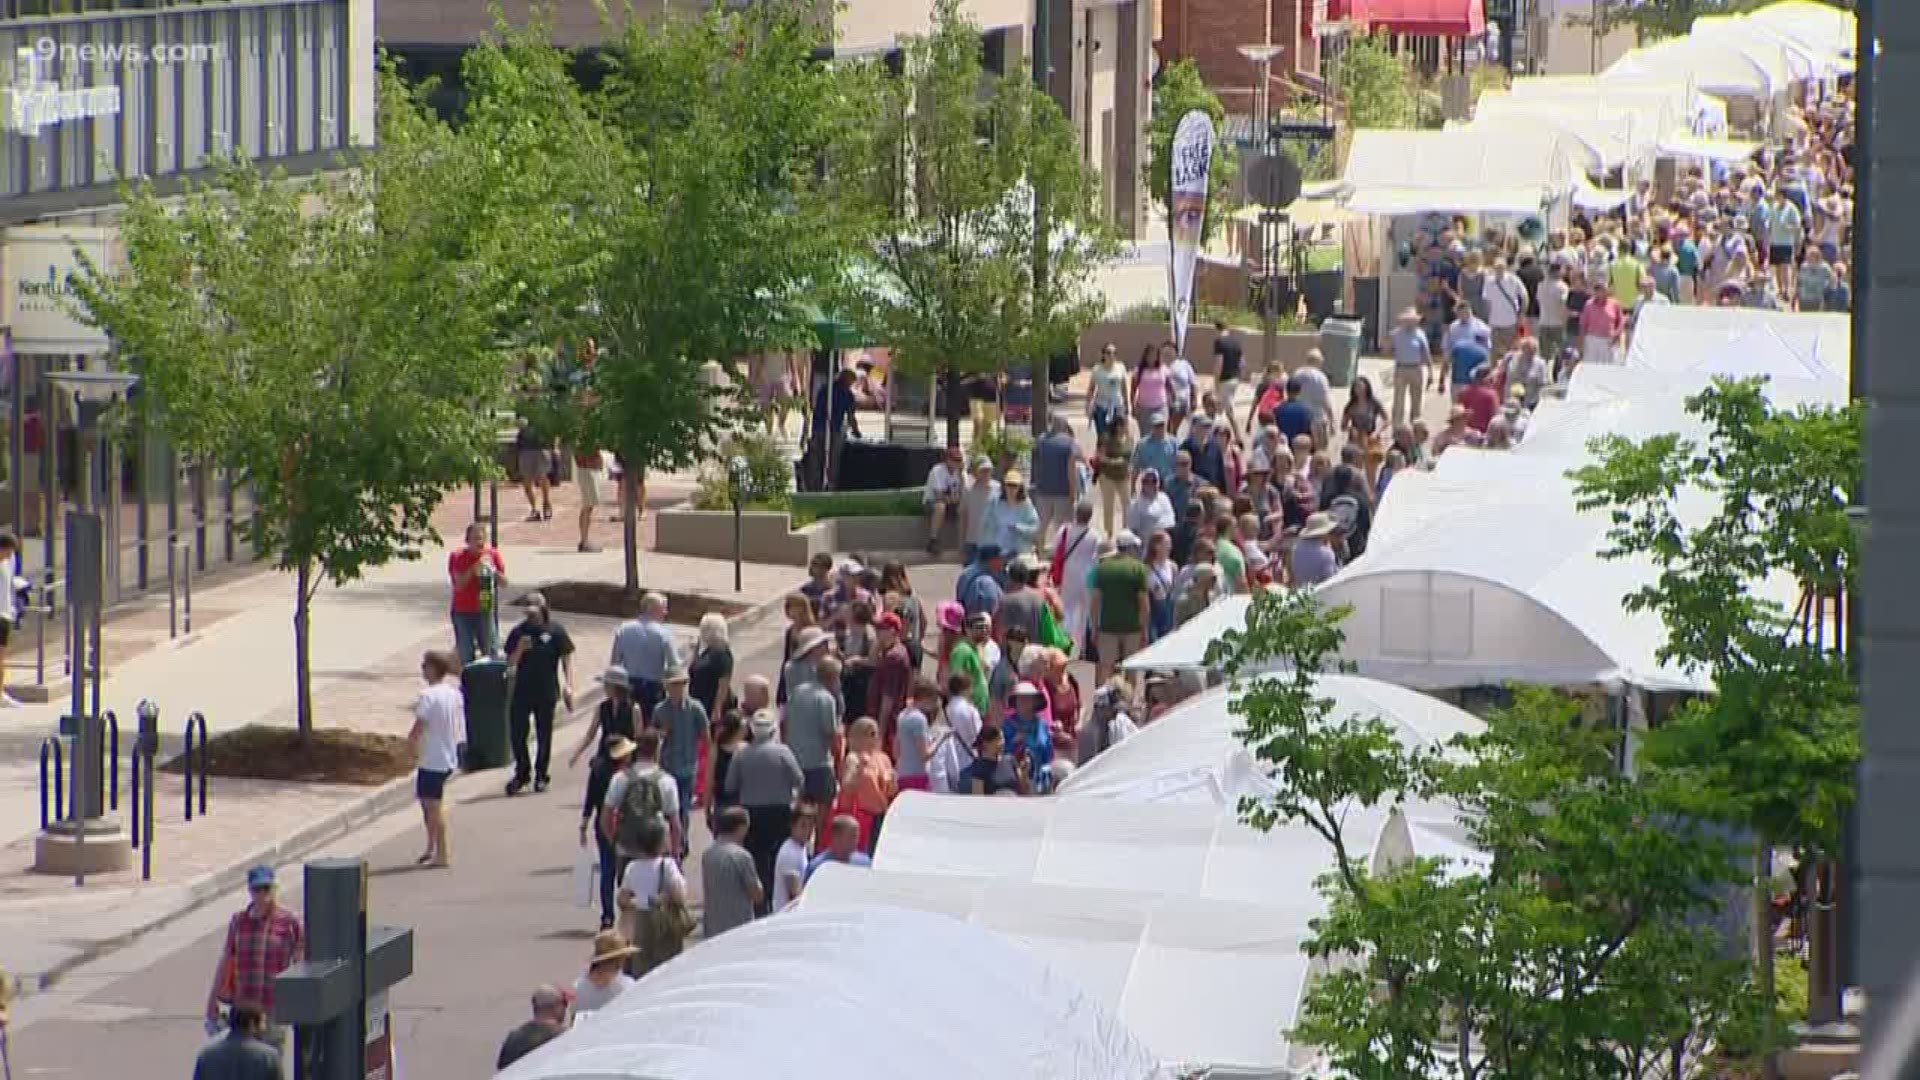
(1121,582)
(966,659)
(1233,565)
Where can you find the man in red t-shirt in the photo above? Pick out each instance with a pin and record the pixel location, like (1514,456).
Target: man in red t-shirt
(1479,400)
(892,676)
(477,572)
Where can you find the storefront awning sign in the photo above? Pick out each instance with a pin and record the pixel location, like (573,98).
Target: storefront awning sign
(34,103)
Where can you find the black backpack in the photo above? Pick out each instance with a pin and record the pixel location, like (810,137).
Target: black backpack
(642,814)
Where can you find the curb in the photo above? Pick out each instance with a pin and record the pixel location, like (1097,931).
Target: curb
(378,803)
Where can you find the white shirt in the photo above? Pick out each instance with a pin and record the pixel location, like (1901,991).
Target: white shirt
(1553,302)
(1180,380)
(442,714)
(944,482)
(590,998)
(791,862)
(1315,391)
(963,718)
(643,879)
(1506,297)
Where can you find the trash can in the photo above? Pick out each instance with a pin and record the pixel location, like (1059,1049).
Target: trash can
(483,684)
(1340,344)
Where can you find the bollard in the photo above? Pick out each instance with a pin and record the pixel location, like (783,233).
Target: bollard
(196,730)
(173,590)
(186,593)
(133,794)
(52,747)
(144,746)
(113,760)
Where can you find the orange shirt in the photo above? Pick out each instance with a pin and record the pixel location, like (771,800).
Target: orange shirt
(873,783)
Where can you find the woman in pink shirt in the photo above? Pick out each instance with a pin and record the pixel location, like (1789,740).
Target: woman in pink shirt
(1602,323)
(1151,387)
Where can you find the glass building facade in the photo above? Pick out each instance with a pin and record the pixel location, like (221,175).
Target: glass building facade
(94,93)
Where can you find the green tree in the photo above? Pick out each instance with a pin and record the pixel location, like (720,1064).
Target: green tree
(1375,85)
(316,339)
(1656,19)
(722,123)
(947,176)
(1178,91)
(1777,747)
(1575,950)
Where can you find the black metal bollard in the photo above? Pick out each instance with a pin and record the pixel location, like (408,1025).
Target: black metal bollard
(133,793)
(196,742)
(53,752)
(113,760)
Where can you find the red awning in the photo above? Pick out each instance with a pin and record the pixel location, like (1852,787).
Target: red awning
(1439,18)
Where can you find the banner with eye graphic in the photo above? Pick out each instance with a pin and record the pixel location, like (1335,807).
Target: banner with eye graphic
(1192,160)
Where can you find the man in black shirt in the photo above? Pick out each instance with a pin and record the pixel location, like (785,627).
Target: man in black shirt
(549,1020)
(539,653)
(1531,274)
(1226,381)
(242,1054)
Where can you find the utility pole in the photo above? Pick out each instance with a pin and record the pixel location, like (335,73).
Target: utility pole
(1042,366)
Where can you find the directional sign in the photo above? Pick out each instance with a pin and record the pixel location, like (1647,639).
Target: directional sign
(1303,130)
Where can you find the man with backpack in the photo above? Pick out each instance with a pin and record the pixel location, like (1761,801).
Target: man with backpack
(638,803)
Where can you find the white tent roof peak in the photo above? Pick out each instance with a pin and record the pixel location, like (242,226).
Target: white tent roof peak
(830,997)
(1519,170)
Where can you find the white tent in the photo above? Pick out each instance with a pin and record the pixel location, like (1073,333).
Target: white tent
(830,995)
(1509,171)
(1694,146)
(1686,105)
(1821,27)
(1804,61)
(1612,134)
(1181,972)
(1673,337)
(1193,752)
(1186,648)
(1725,67)
(1168,849)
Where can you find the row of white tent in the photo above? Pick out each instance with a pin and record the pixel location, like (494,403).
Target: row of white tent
(1529,147)
(1483,571)
(1128,927)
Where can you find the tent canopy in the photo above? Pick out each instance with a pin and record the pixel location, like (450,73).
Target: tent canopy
(1693,146)
(1175,970)
(1724,66)
(1821,27)
(1612,133)
(1512,171)
(1673,337)
(830,999)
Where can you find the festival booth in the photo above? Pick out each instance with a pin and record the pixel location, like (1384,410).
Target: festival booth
(1616,136)
(1822,28)
(1672,338)
(1415,183)
(1754,77)
(827,995)
(1180,972)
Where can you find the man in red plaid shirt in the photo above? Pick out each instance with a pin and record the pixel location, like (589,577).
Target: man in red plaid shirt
(263,940)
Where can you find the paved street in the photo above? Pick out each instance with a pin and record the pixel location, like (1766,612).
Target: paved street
(487,931)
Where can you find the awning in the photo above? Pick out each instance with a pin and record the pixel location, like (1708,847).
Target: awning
(1441,18)
(1396,199)
(1690,146)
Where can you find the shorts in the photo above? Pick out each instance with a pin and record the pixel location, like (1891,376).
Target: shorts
(819,785)
(6,632)
(430,785)
(1117,647)
(589,481)
(923,782)
(1780,255)
(535,465)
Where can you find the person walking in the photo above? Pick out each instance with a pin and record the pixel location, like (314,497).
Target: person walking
(685,734)
(540,658)
(244,1053)
(606,976)
(1073,559)
(477,571)
(1411,353)
(533,453)
(589,472)
(609,762)
(731,889)
(644,648)
(1053,475)
(263,940)
(1120,603)
(439,727)
(549,1020)
(765,779)
(1229,355)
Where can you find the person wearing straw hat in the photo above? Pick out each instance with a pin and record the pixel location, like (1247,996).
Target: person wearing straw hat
(684,733)
(613,757)
(1313,557)
(606,976)
(1411,352)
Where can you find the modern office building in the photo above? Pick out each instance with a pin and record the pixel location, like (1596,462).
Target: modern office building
(1101,66)
(97,94)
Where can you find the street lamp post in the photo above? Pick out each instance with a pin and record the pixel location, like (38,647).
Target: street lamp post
(740,478)
(86,842)
(1261,56)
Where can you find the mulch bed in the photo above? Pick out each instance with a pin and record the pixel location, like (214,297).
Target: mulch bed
(325,756)
(612,601)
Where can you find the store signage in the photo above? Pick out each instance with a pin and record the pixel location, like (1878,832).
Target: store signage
(34,103)
(42,304)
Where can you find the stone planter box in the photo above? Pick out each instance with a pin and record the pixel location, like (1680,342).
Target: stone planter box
(1290,346)
(769,536)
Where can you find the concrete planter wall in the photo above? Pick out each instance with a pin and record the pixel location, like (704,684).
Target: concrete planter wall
(769,536)
(1290,346)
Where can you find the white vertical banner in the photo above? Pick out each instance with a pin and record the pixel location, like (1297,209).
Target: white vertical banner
(1192,161)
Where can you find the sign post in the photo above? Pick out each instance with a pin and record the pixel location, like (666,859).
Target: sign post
(336,999)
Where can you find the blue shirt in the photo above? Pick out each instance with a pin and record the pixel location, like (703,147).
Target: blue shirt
(1015,525)
(1053,466)
(858,858)
(983,595)
(1409,347)
(1465,356)
(645,648)
(1179,492)
(1156,452)
(1294,418)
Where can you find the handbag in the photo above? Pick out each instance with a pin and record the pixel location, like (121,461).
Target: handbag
(661,928)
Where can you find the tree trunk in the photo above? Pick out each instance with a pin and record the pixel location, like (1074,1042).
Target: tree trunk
(1762,914)
(303,649)
(956,404)
(630,528)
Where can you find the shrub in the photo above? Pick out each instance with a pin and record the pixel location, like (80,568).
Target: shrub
(769,474)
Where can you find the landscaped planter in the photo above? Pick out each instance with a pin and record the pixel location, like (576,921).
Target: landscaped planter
(768,536)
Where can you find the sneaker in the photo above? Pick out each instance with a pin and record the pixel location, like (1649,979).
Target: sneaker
(540,785)
(589,549)
(514,787)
